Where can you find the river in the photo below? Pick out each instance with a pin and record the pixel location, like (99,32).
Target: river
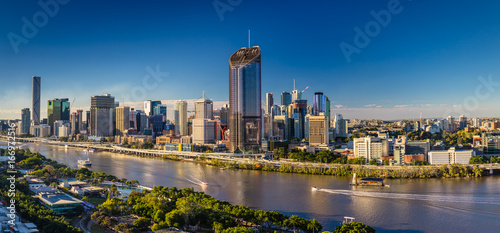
(419,205)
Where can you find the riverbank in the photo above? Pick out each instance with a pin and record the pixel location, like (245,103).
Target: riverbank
(329,169)
(171,207)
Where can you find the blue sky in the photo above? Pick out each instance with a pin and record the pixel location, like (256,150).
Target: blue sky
(427,58)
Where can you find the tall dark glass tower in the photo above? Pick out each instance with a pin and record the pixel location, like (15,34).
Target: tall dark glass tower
(57,109)
(245,100)
(318,103)
(36,100)
(286,98)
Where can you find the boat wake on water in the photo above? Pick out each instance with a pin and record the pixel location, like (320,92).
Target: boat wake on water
(196,181)
(416,197)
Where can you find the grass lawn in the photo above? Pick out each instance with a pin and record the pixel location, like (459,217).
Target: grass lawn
(96,200)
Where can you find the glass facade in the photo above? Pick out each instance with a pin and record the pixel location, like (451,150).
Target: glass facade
(286,98)
(36,100)
(57,109)
(318,103)
(245,100)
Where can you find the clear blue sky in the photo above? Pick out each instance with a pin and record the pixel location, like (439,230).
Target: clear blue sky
(428,57)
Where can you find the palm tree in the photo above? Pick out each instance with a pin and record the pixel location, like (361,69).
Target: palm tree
(293,221)
(314,225)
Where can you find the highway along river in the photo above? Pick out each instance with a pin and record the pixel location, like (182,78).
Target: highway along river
(432,205)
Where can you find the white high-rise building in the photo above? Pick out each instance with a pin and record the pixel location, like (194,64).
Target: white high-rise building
(203,124)
(180,115)
(371,148)
(476,122)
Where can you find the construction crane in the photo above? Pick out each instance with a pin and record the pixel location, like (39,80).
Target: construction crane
(305,89)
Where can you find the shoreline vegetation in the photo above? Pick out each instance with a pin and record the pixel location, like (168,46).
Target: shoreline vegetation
(159,208)
(343,167)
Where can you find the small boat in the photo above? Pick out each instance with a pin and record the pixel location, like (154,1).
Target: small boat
(91,150)
(85,150)
(204,184)
(85,162)
(314,188)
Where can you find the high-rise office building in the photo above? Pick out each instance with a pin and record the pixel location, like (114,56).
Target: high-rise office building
(327,110)
(25,120)
(340,125)
(299,113)
(318,130)
(180,116)
(160,110)
(224,113)
(203,123)
(245,100)
(318,103)
(57,109)
(79,113)
(269,103)
(101,115)
(462,122)
(87,121)
(122,119)
(36,100)
(286,98)
(150,105)
(204,108)
(75,120)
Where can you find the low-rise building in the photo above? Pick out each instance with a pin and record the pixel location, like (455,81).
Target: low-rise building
(450,156)
(58,202)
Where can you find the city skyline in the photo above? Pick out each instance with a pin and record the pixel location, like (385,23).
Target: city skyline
(401,71)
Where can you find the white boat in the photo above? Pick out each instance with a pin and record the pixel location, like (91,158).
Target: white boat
(85,162)
(204,184)
(91,150)
(315,189)
(85,150)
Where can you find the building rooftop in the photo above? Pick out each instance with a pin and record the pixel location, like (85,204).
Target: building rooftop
(58,199)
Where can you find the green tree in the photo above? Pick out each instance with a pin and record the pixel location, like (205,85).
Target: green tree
(142,223)
(314,225)
(354,227)
(373,162)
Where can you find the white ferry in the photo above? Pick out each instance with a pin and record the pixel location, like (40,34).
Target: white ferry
(86,162)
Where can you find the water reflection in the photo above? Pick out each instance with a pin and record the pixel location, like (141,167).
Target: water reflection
(433,205)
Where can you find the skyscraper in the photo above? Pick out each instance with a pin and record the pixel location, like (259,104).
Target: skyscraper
(101,115)
(25,121)
(122,119)
(204,108)
(286,98)
(36,99)
(269,103)
(79,113)
(327,110)
(318,130)
(203,124)
(149,106)
(57,109)
(180,116)
(318,103)
(75,120)
(245,100)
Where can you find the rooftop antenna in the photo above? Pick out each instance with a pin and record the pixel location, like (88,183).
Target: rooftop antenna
(293,84)
(248,38)
(203,94)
